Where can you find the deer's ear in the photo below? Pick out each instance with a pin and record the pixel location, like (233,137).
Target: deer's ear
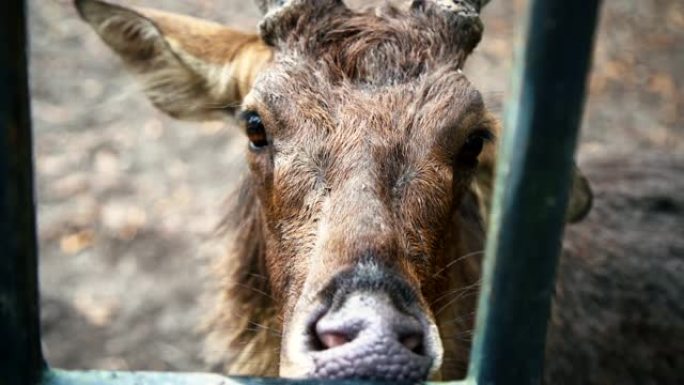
(190,68)
(581,196)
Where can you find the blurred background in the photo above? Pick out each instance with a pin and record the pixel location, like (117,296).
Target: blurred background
(128,199)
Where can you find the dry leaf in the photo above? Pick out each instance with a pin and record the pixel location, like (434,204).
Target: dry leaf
(75,243)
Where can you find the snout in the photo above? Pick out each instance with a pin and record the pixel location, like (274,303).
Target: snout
(368,338)
(370,328)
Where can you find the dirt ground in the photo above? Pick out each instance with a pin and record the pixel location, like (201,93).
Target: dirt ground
(128,198)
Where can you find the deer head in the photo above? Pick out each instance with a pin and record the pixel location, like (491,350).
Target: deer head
(370,157)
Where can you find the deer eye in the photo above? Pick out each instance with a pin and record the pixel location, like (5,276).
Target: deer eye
(473,145)
(256,132)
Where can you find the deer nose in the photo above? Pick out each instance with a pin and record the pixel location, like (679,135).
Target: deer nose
(369,338)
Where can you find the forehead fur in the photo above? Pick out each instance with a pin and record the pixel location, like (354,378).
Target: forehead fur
(298,92)
(383,46)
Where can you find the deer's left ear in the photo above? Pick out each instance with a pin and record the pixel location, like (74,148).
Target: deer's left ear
(190,68)
(581,196)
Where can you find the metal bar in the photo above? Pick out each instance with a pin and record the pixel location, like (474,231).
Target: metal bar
(531,193)
(21,360)
(61,377)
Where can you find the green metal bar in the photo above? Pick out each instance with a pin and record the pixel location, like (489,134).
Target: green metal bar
(61,377)
(58,377)
(21,360)
(531,193)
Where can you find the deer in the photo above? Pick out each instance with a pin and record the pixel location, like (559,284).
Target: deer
(357,235)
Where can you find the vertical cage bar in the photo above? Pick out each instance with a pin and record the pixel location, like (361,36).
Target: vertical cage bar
(531,194)
(21,360)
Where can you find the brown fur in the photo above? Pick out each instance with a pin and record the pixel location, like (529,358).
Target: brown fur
(367,115)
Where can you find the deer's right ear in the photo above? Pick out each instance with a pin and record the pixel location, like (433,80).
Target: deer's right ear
(190,68)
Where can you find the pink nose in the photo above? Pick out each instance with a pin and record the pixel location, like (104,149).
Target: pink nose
(369,338)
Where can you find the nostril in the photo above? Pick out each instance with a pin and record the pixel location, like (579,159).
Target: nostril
(413,342)
(327,333)
(333,339)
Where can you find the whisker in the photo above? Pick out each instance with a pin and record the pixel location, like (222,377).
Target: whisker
(261,326)
(456,292)
(231,282)
(460,319)
(463,335)
(464,294)
(258,291)
(459,259)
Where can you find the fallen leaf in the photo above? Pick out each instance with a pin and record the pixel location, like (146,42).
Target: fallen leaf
(75,243)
